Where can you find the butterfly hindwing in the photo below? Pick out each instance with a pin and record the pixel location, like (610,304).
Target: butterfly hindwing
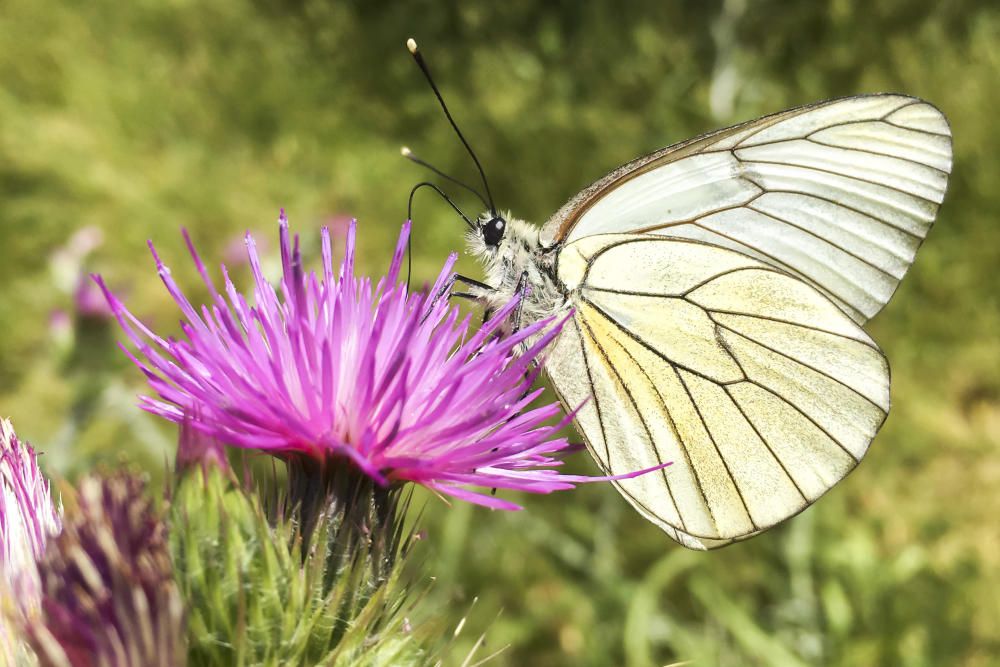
(761,391)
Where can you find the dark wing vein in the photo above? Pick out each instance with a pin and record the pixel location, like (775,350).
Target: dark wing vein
(743,143)
(590,383)
(746,417)
(779,264)
(604,434)
(851,177)
(646,345)
(812,421)
(722,458)
(642,417)
(842,205)
(687,221)
(796,324)
(871,152)
(797,361)
(916,129)
(780,463)
(912,102)
(825,240)
(720,275)
(609,290)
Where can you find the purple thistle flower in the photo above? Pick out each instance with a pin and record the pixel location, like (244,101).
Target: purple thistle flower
(331,368)
(108,594)
(28,517)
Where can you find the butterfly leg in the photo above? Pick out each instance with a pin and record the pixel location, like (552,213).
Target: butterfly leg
(472,282)
(521,291)
(446,289)
(477,291)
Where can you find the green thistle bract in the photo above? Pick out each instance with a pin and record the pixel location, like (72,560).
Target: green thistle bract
(256,598)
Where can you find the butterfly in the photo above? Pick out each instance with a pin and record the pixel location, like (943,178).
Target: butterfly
(716,292)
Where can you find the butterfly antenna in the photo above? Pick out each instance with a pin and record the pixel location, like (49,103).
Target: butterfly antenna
(409,155)
(409,216)
(435,188)
(411,45)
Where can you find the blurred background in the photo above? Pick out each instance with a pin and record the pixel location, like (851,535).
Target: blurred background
(121,122)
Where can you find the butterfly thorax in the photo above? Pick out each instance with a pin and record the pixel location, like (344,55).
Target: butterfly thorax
(518,259)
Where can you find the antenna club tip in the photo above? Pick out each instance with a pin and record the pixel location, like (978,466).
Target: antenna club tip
(411,45)
(405,151)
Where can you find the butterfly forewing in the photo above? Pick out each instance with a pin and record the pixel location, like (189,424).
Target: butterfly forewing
(839,194)
(756,385)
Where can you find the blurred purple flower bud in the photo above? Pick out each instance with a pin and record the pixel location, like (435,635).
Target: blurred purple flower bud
(108,594)
(66,261)
(89,301)
(194,447)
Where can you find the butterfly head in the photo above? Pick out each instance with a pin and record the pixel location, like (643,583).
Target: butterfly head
(492,228)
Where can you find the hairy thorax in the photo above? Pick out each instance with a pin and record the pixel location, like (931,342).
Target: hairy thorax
(519,262)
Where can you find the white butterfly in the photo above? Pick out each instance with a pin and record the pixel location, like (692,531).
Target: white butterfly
(718,288)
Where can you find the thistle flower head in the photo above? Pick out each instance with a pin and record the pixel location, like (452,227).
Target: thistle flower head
(28,517)
(334,369)
(108,596)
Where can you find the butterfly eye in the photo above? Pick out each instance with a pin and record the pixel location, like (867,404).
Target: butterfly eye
(493,231)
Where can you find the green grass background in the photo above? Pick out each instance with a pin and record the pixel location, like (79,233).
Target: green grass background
(143,117)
